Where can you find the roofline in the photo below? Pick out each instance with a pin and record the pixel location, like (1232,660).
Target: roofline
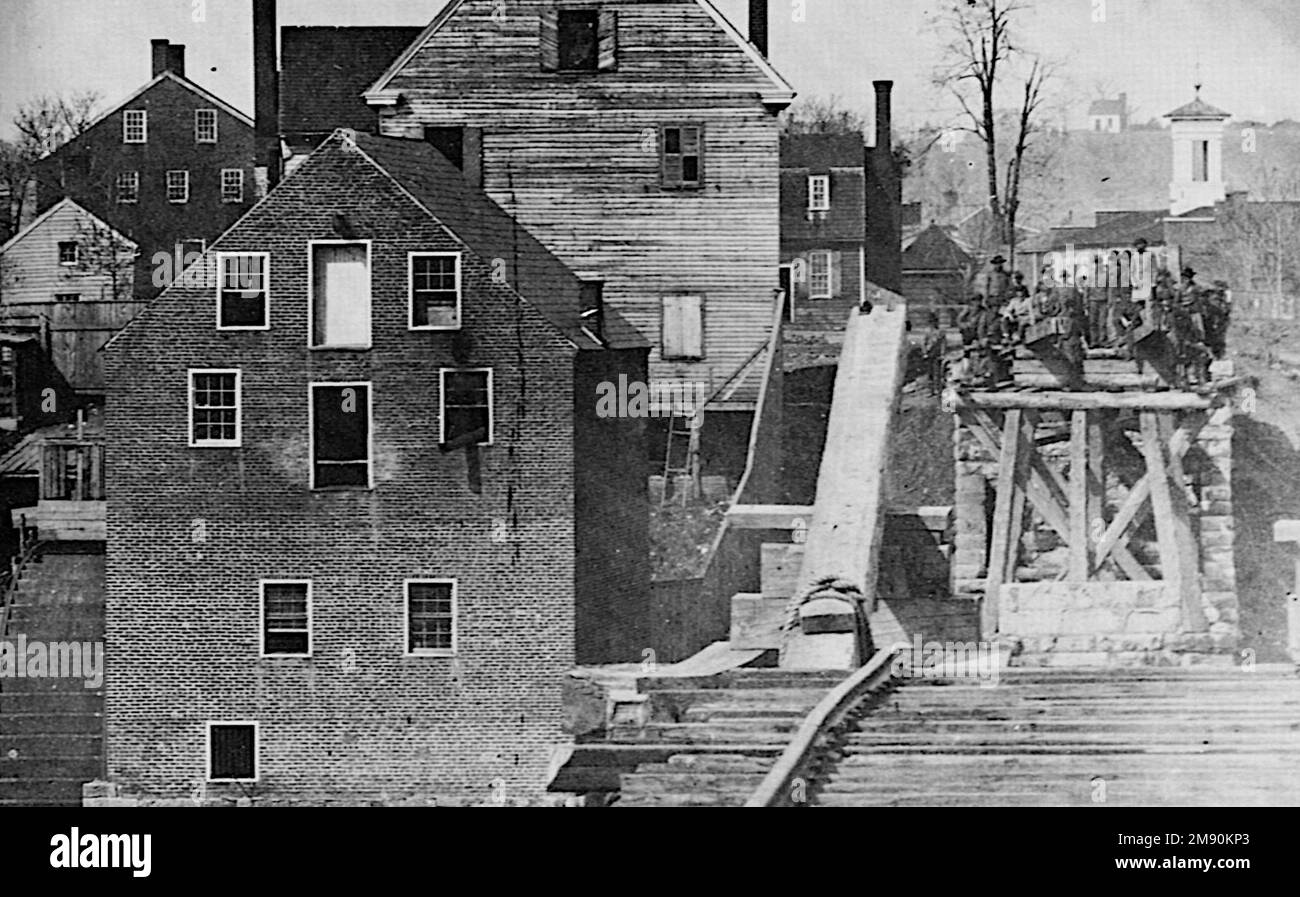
(782,91)
(183,82)
(44,216)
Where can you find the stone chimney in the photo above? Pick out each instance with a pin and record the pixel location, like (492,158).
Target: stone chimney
(758,25)
(266,93)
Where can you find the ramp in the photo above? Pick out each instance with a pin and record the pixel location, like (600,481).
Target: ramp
(845,531)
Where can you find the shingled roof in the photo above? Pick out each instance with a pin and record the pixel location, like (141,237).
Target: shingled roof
(934,250)
(441,189)
(323,72)
(1107,107)
(1197,108)
(822,152)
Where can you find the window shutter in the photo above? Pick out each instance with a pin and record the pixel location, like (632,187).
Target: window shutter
(671,327)
(803,276)
(692,312)
(670,162)
(607,60)
(473,153)
(837,274)
(691,146)
(550,40)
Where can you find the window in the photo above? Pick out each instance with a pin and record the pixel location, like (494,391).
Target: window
(232,185)
(232,752)
(242,291)
(683,327)
(128,186)
(465,414)
(579,40)
(135,126)
(69,252)
(819,275)
(681,156)
(178,186)
(340,289)
(286,618)
(340,435)
(450,141)
(819,193)
(578,48)
(8,383)
(205,126)
(431,616)
(1201,160)
(214,409)
(435,290)
(67,297)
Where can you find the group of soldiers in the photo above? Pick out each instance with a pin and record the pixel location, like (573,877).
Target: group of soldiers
(1071,317)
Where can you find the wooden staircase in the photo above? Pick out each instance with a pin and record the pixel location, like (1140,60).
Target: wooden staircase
(1048,737)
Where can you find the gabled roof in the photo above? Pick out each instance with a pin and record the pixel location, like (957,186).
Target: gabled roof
(781,91)
(1198,108)
(821,152)
(323,71)
(53,210)
(1106,107)
(1117,229)
(934,250)
(185,83)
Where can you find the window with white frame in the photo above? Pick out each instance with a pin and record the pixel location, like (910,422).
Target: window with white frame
(435,290)
(128,186)
(681,157)
(232,752)
(340,290)
(340,435)
(205,126)
(178,186)
(242,291)
(135,126)
(214,409)
(819,193)
(286,618)
(431,616)
(465,412)
(232,185)
(819,275)
(683,327)
(69,252)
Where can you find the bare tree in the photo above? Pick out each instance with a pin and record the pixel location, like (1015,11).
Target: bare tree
(823,116)
(982,55)
(1258,244)
(102,251)
(43,125)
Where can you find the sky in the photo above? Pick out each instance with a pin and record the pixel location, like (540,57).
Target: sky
(1247,52)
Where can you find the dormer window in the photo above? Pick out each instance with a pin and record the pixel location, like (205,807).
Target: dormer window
(579,40)
(819,193)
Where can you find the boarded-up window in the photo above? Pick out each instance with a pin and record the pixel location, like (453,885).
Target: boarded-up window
(242,298)
(683,327)
(682,156)
(232,752)
(431,617)
(285,615)
(340,435)
(435,291)
(466,411)
(340,295)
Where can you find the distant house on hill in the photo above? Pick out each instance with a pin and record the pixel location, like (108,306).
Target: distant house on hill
(1109,116)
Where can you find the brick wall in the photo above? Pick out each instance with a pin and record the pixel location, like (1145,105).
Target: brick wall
(192,530)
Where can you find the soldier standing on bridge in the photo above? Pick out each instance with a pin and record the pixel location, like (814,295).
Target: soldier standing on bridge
(936,343)
(997,283)
(1188,330)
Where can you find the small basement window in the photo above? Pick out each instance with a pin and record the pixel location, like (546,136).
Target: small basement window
(431,617)
(232,752)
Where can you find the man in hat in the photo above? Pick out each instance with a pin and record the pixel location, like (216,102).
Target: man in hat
(1188,330)
(997,283)
(934,347)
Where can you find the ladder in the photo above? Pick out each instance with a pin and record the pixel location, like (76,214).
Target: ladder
(680,461)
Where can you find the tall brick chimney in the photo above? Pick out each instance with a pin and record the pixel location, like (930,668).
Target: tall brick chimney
(884,224)
(160,55)
(758,25)
(176,59)
(266,92)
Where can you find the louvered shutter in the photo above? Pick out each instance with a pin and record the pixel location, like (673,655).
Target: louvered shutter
(837,274)
(607,60)
(550,40)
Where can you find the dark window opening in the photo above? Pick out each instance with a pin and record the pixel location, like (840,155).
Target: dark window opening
(450,142)
(466,407)
(681,156)
(243,287)
(578,34)
(233,752)
(341,436)
(592,304)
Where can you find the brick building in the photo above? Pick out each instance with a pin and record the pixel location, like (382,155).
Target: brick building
(365,515)
(171,167)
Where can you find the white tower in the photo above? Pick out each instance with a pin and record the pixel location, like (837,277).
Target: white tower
(1197,132)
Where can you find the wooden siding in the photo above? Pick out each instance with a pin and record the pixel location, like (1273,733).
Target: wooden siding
(30,271)
(575,157)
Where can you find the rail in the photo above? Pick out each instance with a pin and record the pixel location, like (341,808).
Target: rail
(778,788)
(28,542)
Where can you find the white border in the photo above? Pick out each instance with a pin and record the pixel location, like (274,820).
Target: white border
(257,748)
(226,171)
(406,618)
(826,178)
(410,290)
(261,614)
(167,186)
(117,189)
(311,434)
(311,290)
(266,288)
(215,117)
(144,130)
(830,278)
(442,403)
(239,409)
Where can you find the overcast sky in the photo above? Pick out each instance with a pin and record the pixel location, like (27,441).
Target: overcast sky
(1248,50)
